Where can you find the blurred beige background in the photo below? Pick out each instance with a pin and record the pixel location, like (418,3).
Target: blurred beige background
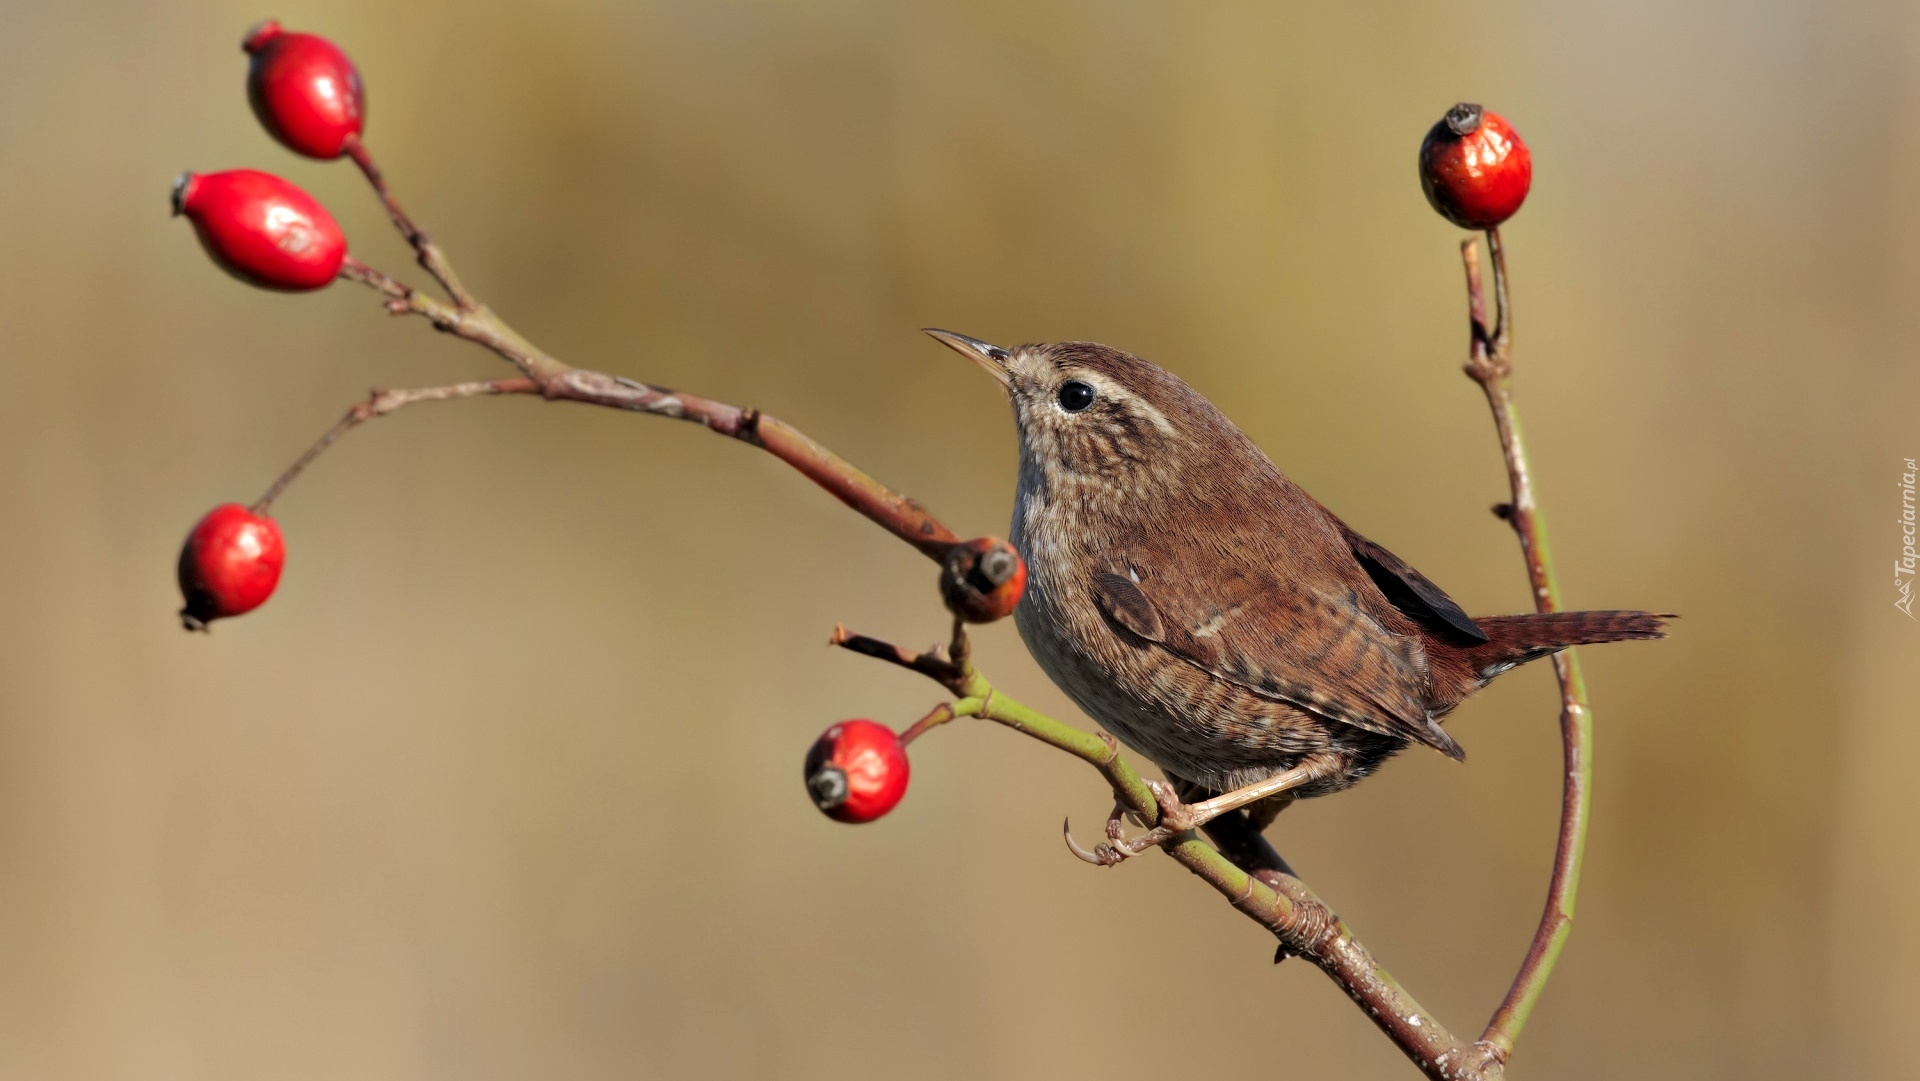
(505,782)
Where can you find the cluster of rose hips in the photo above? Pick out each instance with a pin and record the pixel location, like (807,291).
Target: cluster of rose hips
(269,233)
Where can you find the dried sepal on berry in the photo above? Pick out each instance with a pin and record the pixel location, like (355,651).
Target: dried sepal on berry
(983,579)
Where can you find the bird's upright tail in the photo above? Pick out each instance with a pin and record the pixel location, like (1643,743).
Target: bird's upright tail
(1459,671)
(1518,639)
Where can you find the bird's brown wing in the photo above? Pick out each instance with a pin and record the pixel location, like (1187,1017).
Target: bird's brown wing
(1312,650)
(1409,590)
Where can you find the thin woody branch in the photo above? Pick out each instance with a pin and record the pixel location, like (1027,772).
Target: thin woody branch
(931,665)
(431,257)
(473,321)
(1489,365)
(379,404)
(1282,904)
(1245,869)
(902,517)
(1336,952)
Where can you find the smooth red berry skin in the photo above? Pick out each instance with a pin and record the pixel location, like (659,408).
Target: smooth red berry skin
(1474,168)
(261,229)
(229,565)
(857,771)
(983,579)
(305,91)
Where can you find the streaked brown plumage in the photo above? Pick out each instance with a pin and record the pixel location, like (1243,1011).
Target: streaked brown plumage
(1210,613)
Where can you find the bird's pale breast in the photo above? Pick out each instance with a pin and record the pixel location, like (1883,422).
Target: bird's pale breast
(1194,726)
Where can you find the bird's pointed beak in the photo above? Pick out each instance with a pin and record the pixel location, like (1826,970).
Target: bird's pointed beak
(991,357)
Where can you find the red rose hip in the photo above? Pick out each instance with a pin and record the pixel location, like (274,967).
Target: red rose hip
(305,91)
(982,580)
(857,771)
(229,565)
(1474,168)
(261,229)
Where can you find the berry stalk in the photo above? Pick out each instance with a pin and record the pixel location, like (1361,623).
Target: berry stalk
(432,259)
(379,404)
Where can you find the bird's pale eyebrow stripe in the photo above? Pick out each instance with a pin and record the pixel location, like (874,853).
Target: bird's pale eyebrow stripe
(1114,392)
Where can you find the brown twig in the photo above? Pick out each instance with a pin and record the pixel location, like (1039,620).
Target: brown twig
(556,381)
(931,665)
(1490,366)
(470,320)
(1325,940)
(379,404)
(429,253)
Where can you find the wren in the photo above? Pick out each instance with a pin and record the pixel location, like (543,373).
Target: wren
(1209,612)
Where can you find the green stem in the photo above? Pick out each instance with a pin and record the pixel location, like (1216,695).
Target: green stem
(1253,879)
(1489,364)
(1102,753)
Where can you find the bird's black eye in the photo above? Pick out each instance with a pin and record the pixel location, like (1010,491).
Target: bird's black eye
(1075,395)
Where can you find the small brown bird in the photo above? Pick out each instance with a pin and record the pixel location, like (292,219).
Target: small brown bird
(1210,613)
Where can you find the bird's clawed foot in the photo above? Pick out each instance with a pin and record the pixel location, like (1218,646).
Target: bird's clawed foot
(1176,818)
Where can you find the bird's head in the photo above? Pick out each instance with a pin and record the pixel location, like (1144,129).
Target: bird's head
(1092,414)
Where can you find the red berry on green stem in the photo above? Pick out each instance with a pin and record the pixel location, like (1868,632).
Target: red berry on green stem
(229,565)
(982,579)
(305,91)
(857,771)
(1474,167)
(261,229)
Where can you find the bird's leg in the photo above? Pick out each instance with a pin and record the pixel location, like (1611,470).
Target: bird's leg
(1261,814)
(1177,817)
(1309,770)
(1264,812)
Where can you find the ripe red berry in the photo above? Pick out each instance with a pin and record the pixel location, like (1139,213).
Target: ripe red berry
(1474,168)
(229,565)
(261,229)
(982,580)
(304,90)
(857,771)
